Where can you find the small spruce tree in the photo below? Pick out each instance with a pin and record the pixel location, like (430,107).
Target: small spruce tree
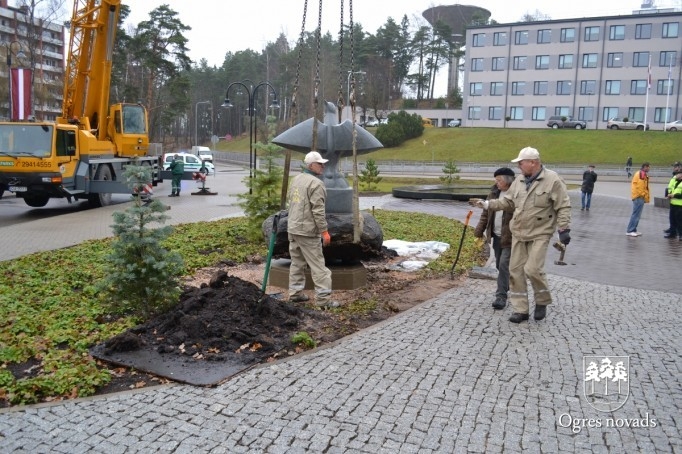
(265,187)
(451,172)
(369,176)
(142,277)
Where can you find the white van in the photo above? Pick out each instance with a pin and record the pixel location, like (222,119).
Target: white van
(204,153)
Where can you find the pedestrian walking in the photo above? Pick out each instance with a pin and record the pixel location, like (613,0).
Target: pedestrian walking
(670,232)
(589,178)
(177,168)
(675,197)
(628,167)
(639,193)
(496,228)
(541,205)
(307,233)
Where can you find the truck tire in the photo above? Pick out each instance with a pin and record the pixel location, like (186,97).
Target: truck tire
(103,199)
(36,201)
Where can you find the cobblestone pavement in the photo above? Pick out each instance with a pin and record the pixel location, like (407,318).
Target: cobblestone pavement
(450,375)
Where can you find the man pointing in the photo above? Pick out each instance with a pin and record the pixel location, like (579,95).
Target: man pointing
(541,205)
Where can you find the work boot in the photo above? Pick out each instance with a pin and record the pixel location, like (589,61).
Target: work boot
(518,317)
(499,304)
(669,235)
(667,231)
(540,312)
(298,298)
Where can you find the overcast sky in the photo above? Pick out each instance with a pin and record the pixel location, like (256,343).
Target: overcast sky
(219,26)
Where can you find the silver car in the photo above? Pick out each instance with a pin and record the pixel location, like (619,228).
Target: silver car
(674,126)
(620,123)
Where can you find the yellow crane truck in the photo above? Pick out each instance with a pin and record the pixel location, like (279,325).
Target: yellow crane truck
(82,155)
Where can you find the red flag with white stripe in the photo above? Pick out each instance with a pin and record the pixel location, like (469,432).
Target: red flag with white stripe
(20,89)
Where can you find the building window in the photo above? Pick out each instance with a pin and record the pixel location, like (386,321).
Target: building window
(495,113)
(520,63)
(542,62)
(662,86)
(496,88)
(540,87)
(518,88)
(612,87)
(587,87)
(643,31)
(638,87)
(544,36)
(500,39)
(476,88)
(667,58)
(609,113)
(538,114)
(591,33)
(589,60)
(662,115)
(516,113)
(585,113)
(636,113)
(671,29)
(640,59)
(563,87)
(476,64)
(615,60)
(521,37)
(566,61)
(474,113)
(616,32)
(499,64)
(478,40)
(567,35)
(564,111)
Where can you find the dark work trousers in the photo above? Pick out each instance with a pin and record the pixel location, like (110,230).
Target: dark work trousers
(502,265)
(676,217)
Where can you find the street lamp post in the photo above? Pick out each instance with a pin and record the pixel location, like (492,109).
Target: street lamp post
(348,88)
(251,93)
(19,54)
(196,116)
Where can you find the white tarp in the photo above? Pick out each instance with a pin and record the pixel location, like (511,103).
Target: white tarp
(418,254)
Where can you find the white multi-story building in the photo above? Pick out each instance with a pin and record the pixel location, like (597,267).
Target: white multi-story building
(592,69)
(38,46)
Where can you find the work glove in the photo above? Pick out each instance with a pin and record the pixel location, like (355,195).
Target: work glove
(326,238)
(565,236)
(476,203)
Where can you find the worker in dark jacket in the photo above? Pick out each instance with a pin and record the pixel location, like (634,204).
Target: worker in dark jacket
(177,168)
(496,226)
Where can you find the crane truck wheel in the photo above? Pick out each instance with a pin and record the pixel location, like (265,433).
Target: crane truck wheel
(101,199)
(36,201)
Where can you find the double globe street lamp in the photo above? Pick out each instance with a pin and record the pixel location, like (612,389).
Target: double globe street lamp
(251,91)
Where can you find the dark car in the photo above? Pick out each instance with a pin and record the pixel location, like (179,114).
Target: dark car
(565,121)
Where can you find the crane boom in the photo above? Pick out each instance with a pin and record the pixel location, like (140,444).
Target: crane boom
(88,68)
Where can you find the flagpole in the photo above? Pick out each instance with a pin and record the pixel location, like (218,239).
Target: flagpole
(667,98)
(648,88)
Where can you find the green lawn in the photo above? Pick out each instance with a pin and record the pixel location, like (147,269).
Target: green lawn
(567,146)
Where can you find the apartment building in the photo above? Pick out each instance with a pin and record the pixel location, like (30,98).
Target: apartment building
(38,46)
(518,75)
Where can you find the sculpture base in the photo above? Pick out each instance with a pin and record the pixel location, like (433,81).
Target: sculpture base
(344,277)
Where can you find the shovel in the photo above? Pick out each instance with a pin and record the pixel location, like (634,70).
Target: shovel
(271,247)
(461,241)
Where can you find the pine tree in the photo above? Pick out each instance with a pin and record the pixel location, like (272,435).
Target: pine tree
(450,170)
(143,275)
(369,176)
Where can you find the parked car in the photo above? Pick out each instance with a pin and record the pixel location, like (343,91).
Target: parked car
(192,163)
(371,123)
(383,121)
(622,123)
(674,126)
(454,123)
(557,121)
